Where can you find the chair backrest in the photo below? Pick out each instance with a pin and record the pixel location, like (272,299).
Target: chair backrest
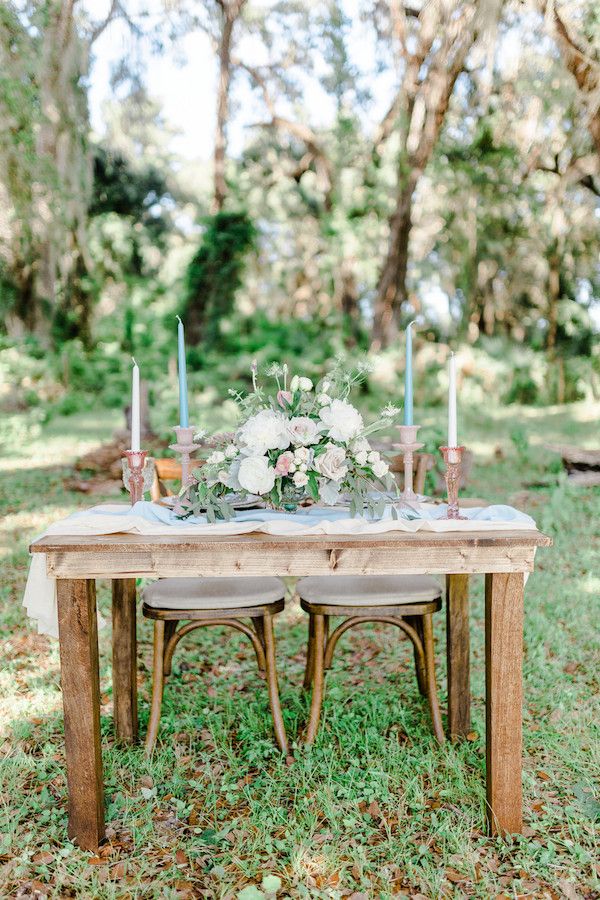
(165,470)
(422,463)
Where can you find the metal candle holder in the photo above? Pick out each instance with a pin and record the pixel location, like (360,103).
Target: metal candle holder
(185,446)
(408,446)
(137,473)
(453,461)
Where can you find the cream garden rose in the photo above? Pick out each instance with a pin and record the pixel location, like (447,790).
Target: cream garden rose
(332,464)
(303,430)
(255,475)
(342,421)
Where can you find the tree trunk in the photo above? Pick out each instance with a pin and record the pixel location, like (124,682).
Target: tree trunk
(62,193)
(230,11)
(553,298)
(392,291)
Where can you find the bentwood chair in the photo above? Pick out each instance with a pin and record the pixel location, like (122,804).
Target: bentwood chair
(196,602)
(180,605)
(407,602)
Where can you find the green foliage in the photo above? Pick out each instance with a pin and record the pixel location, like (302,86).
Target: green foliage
(129,191)
(214,275)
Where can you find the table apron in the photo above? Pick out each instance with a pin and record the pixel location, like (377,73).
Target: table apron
(292,561)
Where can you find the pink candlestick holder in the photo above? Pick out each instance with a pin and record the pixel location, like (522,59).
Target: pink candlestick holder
(453,461)
(185,446)
(138,472)
(408,446)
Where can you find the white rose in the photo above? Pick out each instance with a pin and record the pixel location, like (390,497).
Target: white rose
(256,475)
(230,451)
(343,421)
(332,463)
(300,479)
(361,457)
(216,457)
(326,385)
(373,456)
(301,454)
(380,468)
(323,399)
(223,476)
(303,430)
(267,430)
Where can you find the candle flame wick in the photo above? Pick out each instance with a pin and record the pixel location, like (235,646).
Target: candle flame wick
(134,362)
(179,320)
(410,323)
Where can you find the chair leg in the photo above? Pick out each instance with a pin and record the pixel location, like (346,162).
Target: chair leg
(417,624)
(260,633)
(428,650)
(310,654)
(272,684)
(157,685)
(318,682)
(170,629)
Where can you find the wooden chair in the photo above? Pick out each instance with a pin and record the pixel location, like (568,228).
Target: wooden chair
(422,463)
(180,605)
(166,470)
(408,602)
(199,602)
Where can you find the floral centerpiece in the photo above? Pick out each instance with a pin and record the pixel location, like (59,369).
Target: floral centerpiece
(303,442)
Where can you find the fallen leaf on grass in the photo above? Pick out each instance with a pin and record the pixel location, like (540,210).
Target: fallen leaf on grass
(454,876)
(543,775)
(43,858)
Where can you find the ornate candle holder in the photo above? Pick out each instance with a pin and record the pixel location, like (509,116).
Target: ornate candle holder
(185,446)
(408,446)
(453,460)
(138,472)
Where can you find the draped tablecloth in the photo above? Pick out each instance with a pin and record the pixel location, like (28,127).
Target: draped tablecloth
(150,518)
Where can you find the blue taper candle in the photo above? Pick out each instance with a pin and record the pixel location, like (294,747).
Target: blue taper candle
(183,396)
(408,378)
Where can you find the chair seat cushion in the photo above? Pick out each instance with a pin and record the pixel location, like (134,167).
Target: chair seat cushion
(368,590)
(213,593)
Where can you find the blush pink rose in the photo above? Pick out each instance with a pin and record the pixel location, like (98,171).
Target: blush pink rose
(284,398)
(282,466)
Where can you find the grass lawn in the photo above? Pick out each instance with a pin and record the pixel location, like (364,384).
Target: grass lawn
(375,808)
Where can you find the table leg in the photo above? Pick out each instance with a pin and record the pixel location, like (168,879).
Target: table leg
(457,655)
(504,699)
(124,660)
(78,636)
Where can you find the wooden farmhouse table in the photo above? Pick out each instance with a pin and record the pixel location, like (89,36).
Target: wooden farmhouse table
(504,557)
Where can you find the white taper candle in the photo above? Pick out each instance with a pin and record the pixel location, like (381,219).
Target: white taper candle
(452,430)
(135,407)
